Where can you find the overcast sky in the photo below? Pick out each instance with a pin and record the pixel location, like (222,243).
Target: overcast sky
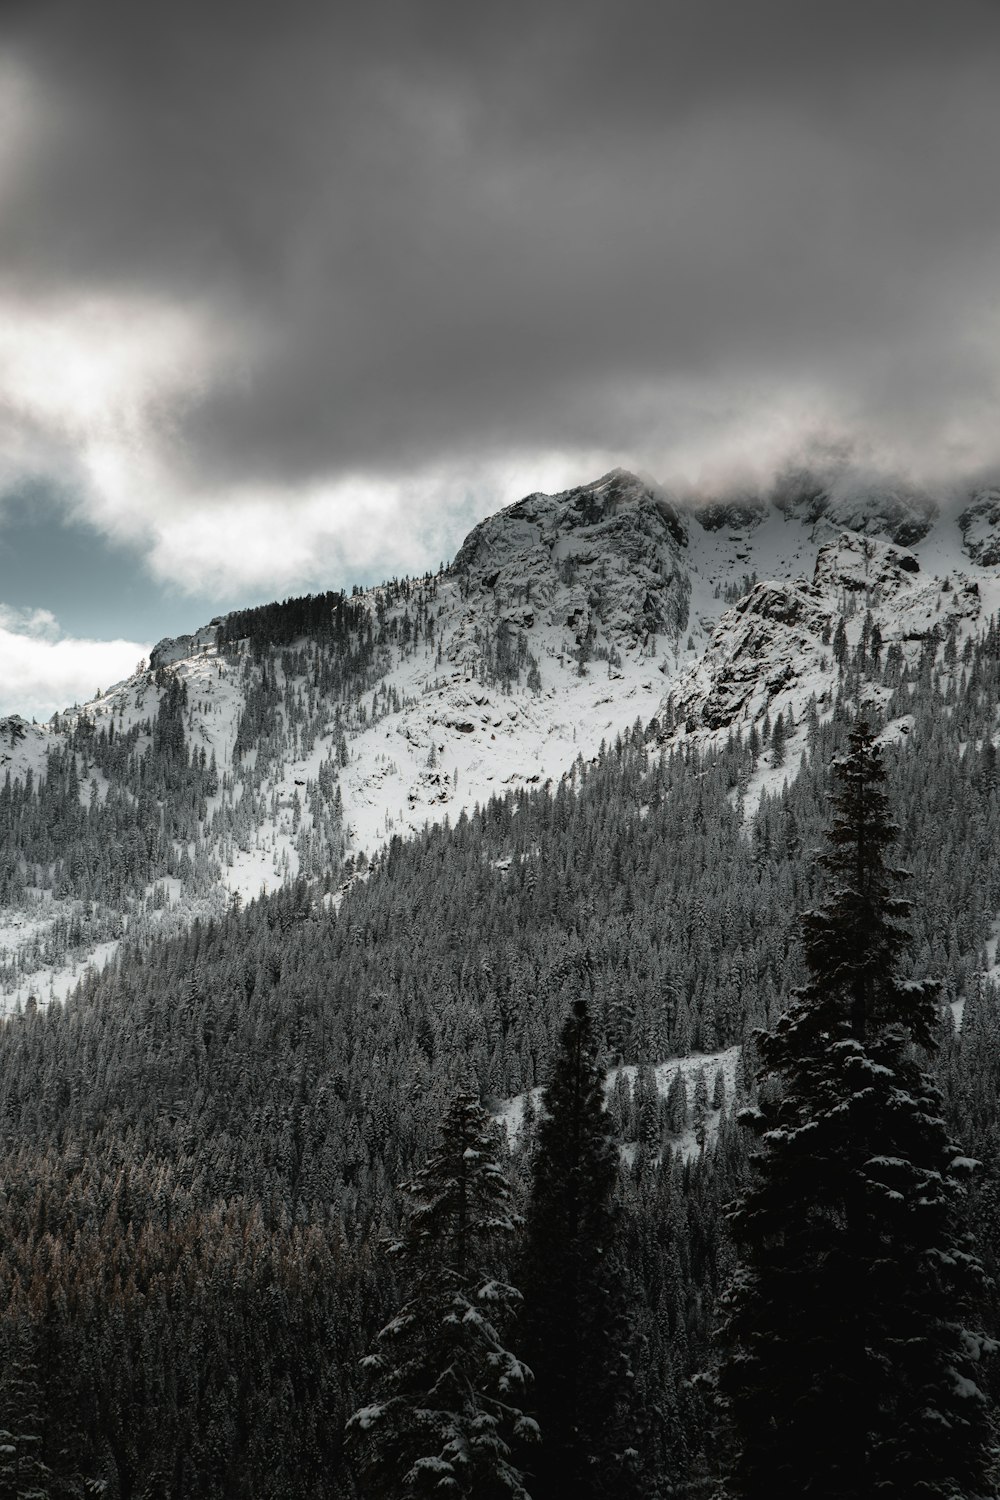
(292,295)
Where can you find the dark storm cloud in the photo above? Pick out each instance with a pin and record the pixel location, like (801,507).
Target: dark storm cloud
(436,229)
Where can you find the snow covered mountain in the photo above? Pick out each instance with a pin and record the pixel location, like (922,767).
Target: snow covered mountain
(290,739)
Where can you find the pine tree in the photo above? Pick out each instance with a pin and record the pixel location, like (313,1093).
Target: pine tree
(447,1390)
(840,642)
(849,1373)
(575,1330)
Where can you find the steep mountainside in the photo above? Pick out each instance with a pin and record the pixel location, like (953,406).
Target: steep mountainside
(290,739)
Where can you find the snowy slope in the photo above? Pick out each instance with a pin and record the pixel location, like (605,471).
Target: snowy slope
(563,620)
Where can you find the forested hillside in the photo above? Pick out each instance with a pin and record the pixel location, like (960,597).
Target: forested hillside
(202,1150)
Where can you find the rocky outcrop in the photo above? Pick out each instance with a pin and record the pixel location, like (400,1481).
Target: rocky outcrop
(738,515)
(13,729)
(908,603)
(765,645)
(774,648)
(604,562)
(979,524)
(178,648)
(859,565)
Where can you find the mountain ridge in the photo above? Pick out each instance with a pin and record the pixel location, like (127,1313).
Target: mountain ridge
(562,622)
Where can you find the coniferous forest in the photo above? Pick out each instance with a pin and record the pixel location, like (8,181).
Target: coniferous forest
(262,1235)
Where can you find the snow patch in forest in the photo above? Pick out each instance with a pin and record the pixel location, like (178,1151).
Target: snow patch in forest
(992,970)
(896,732)
(689,1066)
(55,985)
(510,1113)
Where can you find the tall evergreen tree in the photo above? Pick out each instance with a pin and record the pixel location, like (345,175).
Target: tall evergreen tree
(575,1329)
(849,1372)
(447,1390)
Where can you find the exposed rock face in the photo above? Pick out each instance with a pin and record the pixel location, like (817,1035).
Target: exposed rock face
(604,561)
(979,524)
(908,604)
(774,648)
(766,644)
(859,565)
(178,648)
(738,515)
(13,729)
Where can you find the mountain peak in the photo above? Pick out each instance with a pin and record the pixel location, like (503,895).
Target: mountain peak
(604,512)
(603,559)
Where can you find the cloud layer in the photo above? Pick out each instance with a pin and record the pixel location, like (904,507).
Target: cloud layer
(287,294)
(41,670)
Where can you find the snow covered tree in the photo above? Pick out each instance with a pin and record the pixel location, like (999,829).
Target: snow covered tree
(849,1372)
(447,1391)
(575,1327)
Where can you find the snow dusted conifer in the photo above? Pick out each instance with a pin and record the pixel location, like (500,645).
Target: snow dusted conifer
(447,1392)
(849,1373)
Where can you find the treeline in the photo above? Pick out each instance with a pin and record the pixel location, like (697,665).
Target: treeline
(347,636)
(331,616)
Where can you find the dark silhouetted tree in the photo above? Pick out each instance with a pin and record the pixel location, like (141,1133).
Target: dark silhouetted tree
(576,1333)
(849,1372)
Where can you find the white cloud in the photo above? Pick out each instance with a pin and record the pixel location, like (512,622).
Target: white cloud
(91,381)
(42,670)
(40,623)
(328,533)
(96,387)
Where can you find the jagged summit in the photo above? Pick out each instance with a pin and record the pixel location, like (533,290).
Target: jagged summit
(615,504)
(602,560)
